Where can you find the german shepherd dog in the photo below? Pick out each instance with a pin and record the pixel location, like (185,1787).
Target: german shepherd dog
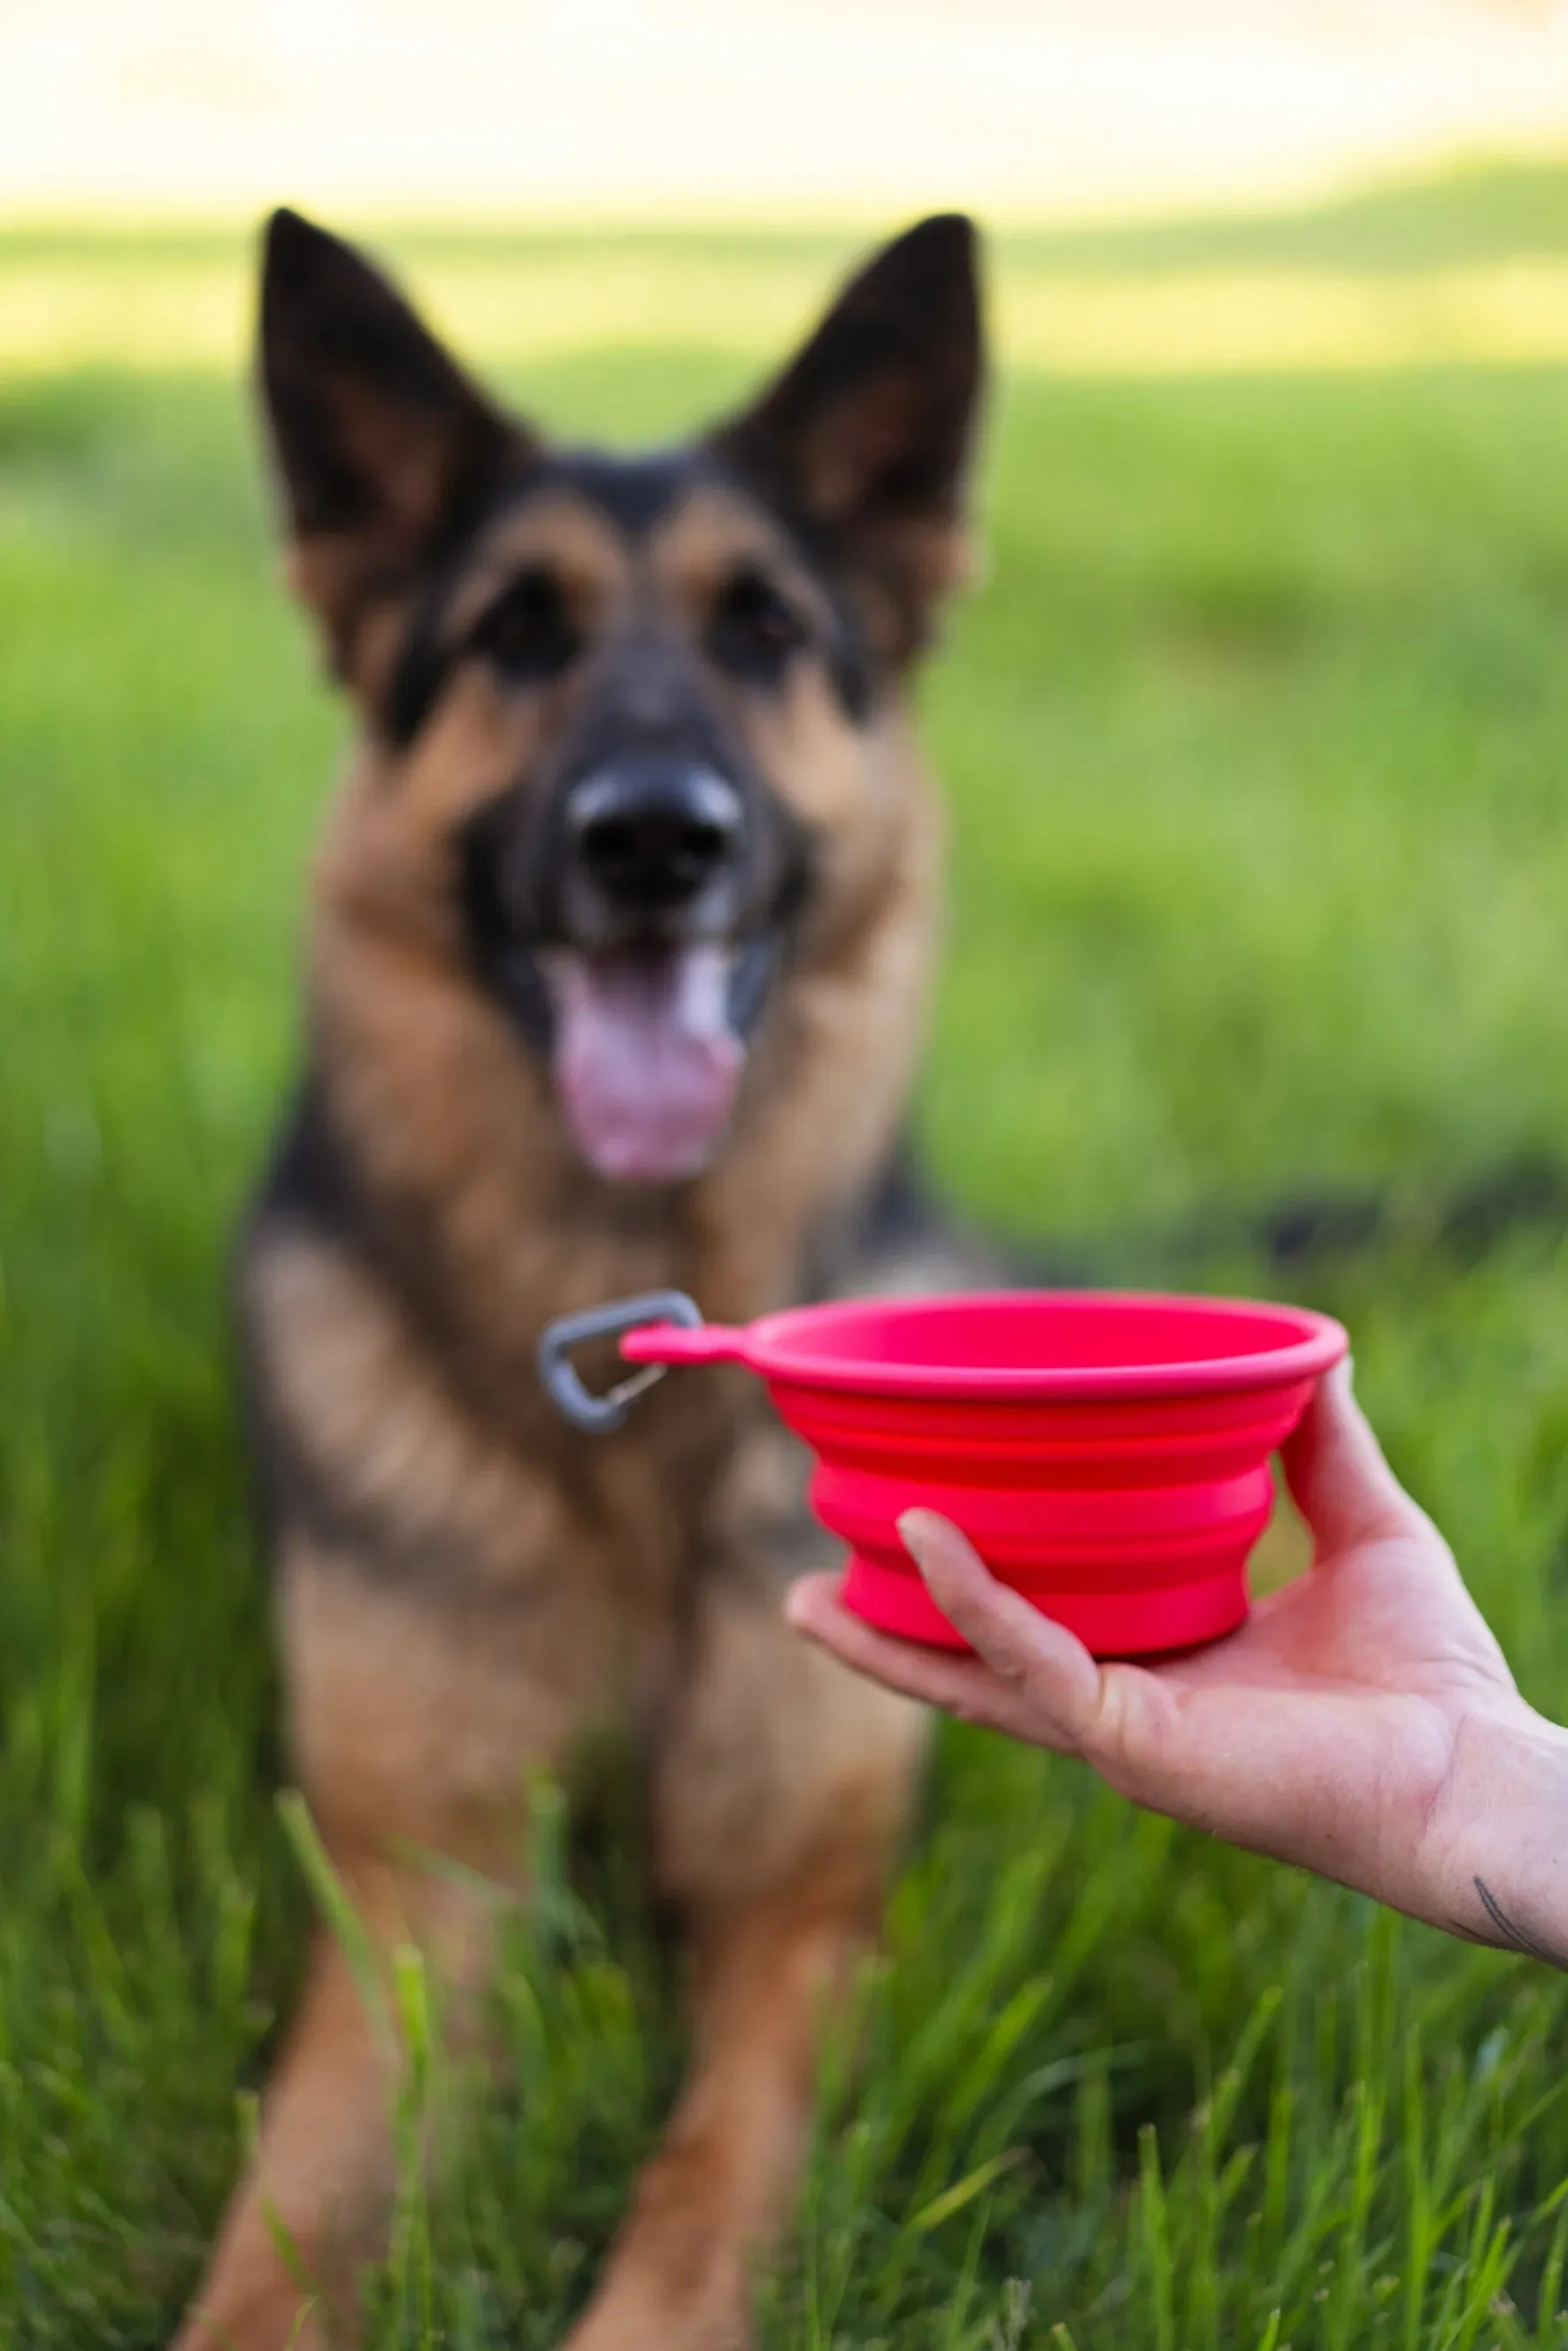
(619,944)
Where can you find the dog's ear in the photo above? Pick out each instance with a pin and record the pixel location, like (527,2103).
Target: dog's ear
(866,436)
(382,445)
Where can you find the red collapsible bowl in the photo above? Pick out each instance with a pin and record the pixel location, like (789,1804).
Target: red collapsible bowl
(1107,1454)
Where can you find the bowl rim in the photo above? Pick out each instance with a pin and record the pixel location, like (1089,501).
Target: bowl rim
(777,1345)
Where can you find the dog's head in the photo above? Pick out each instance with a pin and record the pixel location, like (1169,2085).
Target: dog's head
(632,723)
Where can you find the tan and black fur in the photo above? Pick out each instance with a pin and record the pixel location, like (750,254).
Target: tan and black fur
(467,1591)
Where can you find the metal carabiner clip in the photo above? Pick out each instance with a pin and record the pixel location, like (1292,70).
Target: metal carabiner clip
(599,1415)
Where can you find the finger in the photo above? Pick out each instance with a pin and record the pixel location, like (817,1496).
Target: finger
(940,1676)
(1134,1736)
(1051,1666)
(962,1686)
(1122,1719)
(1335,1471)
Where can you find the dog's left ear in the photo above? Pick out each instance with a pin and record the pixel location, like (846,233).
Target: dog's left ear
(866,437)
(383,446)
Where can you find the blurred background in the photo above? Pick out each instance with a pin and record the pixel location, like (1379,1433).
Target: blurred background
(1255,743)
(618,107)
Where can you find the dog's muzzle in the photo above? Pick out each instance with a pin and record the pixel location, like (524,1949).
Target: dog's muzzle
(634,927)
(648,1055)
(652,838)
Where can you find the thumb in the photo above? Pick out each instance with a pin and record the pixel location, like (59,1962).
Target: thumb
(1336,1473)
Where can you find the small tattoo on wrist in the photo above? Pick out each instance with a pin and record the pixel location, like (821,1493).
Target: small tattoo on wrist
(1501,1933)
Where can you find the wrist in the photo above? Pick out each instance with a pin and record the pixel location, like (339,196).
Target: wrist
(1493,1862)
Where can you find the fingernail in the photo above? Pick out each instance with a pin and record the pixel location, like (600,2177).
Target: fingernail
(919,1536)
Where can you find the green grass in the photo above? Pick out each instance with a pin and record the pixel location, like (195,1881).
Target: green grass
(1255,745)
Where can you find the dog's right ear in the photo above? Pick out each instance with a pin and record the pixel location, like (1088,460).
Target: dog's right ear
(382,445)
(867,437)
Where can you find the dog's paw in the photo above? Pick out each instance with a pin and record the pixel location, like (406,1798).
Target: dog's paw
(623,2322)
(272,2321)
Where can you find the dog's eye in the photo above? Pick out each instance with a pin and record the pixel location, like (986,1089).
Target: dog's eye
(527,631)
(752,630)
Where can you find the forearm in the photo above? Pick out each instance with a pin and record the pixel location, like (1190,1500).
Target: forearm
(1494,1860)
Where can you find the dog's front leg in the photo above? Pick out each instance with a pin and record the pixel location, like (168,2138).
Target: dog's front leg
(778,1797)
(312,2210)
(713,2195)
(413,1727)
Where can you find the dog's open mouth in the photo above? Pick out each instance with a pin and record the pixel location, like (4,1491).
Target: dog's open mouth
(647,1057)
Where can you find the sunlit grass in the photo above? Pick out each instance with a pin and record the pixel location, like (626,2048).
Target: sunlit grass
(518,307)
(1376,283)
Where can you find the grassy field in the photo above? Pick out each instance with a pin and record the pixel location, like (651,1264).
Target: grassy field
(1256,744)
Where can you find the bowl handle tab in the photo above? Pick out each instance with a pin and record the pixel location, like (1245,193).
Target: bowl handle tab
(669,1329)
(672,1342)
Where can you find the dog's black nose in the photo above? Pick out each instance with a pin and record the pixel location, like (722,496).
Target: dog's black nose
(652,835)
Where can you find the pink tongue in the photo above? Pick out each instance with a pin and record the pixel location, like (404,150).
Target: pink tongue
(645,1060)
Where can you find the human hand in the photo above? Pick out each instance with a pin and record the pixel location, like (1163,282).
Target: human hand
(1362,1723)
